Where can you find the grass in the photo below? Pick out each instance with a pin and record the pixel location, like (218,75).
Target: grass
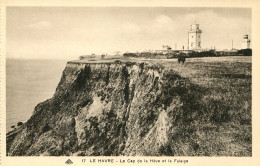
(219,112)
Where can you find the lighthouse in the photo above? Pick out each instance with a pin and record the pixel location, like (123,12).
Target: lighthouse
(194,37)
(245,42)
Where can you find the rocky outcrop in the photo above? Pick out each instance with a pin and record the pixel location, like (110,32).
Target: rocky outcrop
(106,109)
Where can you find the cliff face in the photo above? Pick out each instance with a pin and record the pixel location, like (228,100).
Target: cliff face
(118,109)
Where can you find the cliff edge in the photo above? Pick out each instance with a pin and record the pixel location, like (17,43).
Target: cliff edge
(143,108)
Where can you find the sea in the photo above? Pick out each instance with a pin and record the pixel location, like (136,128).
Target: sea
(29,82)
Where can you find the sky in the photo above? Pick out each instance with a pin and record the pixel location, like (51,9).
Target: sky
(68,32)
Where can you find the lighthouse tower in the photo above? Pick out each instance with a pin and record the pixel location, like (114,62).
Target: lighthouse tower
(245,42)
(194,37)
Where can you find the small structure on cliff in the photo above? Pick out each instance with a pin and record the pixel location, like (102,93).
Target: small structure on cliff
(167,47)
(87,56)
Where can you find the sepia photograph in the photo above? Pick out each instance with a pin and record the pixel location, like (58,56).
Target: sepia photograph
(129,81)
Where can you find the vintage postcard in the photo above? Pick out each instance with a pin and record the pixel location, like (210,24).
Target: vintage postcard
(129,83)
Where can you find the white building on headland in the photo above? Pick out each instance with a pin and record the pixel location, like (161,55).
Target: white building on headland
(245,42)
(194,37)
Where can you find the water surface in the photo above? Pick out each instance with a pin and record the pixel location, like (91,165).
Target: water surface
(29,82)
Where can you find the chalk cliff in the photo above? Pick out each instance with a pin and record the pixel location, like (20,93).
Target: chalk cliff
(122,108)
